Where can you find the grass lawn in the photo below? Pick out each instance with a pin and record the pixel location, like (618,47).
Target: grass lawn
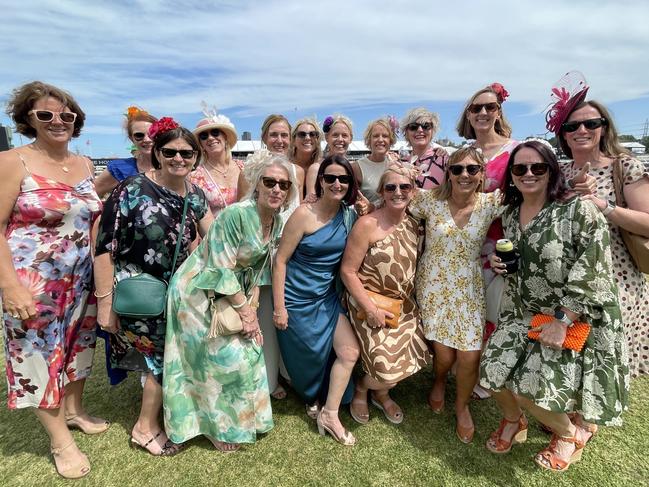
(423,450)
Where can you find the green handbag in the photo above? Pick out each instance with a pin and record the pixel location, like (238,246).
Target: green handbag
(145,296)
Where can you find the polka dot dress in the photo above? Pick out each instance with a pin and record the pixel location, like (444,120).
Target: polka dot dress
(632,284)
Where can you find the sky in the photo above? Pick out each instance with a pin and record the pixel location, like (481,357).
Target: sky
(365,59)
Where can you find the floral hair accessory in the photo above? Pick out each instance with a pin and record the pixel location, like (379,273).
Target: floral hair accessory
(501,93)
(394,123)
(133,111)
(165,124)
(326,125)
(567,93)
(403,169)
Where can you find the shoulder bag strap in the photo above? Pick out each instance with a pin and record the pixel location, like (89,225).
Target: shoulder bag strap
(618,182)
(182,230)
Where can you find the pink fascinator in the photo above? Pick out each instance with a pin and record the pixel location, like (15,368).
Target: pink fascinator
(501,93)
(567,93)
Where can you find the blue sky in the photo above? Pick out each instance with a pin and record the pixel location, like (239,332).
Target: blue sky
(361,58)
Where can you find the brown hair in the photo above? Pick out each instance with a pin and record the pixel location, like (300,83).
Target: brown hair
(464,127)
(443,191)
(609,145)
(270,120)
(22,101)
(317,151)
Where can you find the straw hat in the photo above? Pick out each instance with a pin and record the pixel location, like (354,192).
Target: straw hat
(220,122)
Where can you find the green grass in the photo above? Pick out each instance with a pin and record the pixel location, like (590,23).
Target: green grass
(423,450)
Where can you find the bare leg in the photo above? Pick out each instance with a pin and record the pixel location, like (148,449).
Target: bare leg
(381,398)
(69,456)
(147,425)
(75,414)
(467,376)
(347,353)
(443,361)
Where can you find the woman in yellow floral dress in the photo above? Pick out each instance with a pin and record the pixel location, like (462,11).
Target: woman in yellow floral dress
(449,282)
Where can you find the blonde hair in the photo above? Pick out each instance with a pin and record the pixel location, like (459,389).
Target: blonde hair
(444,190)
(270,120)
(405,170)
(501,126)
(417,114)
(316,155)
(383,122)
(255,166)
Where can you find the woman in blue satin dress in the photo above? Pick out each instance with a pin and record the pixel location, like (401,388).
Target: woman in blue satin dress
(316,341)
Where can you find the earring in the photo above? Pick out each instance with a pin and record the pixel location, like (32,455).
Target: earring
(255,195)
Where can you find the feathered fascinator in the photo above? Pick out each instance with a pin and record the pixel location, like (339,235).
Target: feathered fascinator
(566,94)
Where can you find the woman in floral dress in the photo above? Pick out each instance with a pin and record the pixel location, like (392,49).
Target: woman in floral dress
(217,386)
(449,283)
(47,208)
(565,272)
(138,232)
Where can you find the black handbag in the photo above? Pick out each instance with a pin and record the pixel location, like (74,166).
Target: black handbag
(145,296)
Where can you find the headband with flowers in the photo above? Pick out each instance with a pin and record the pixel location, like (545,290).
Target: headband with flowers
(567,93)
(501,93)
(165,124)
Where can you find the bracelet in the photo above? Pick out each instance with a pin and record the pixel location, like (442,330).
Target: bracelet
(102,295)
(280,312)
(238,306)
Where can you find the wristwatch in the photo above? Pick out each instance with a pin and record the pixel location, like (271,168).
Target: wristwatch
(560,315)
(610,206)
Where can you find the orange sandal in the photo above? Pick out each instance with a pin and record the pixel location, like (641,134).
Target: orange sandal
(496,444)
(548,458)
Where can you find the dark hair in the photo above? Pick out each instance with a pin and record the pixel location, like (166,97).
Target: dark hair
(352,189)
(24,97)
(556,186)
(609,144)
(165,137)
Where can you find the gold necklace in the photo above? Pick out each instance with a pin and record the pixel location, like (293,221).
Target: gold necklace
(62,165)
(222,172)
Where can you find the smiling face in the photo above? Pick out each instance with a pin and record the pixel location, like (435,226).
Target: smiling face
(584,140)
(419,139)
(336,189)
(272,198)
(379,141)
(339,137)
(465,182)
(484,120)
(395,191)
(278,137)
(54,131)
(530,184)
(212,146)
(305,144)
(140,137)
(176,166)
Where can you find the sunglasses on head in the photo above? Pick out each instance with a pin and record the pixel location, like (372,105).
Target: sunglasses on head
(537,168)
(489,107)
(48,116)
(270,183)
(213,132)
(303,135)
(471,169)
(331,178)
(403,187)
(414,126)
(171,153)
(590,124)
(138,136)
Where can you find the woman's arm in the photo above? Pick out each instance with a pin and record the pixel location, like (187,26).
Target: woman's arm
(105,183)
(291,236)
(357,246)
(205,223)
(104,270)
(17,300)
(242,186)
(311,176)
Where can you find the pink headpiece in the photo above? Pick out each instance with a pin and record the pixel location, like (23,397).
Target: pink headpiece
(501,93)
(567,93)
(163,125)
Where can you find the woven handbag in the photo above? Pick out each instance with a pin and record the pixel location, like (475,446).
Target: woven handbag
(576,334)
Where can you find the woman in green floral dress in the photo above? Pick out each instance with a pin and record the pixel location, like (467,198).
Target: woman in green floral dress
(565,271)
(218,387)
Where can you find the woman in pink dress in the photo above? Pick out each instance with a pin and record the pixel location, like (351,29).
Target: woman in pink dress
(47,207)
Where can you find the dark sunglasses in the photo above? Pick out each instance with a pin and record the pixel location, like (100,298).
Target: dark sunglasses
(391,187)
(414,126)
(537,168)
(138,136)
(489,107)
(171,153)
(270,183)
(213,132)
(471,169)
(331,178)
(590,124)
(303,135)
(48,116)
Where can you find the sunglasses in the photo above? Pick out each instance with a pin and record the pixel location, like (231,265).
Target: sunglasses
(590,124)
(304,135)
(471,169)
(403,187)
(414,126)
(270,183)
(537,168)
(331,178)
(138,136)
(213,132)
(489,107)
(171,153)
(48,116)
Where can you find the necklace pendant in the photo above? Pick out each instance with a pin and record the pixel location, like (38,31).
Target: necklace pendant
(65,168)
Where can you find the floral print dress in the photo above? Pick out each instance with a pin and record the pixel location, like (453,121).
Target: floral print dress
(49,237)
(139,227)
(218,196)
(449,283)
(217,386)
(565,261)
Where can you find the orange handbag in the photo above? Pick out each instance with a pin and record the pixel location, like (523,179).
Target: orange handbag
(385,303)
(576,334)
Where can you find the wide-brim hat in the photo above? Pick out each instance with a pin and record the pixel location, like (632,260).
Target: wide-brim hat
(220,122)
(567,93)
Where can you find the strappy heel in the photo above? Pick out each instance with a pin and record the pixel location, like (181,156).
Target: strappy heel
(167,450)
(90,428)
(346,438)
(549,459)
(81,469)
(496,444)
